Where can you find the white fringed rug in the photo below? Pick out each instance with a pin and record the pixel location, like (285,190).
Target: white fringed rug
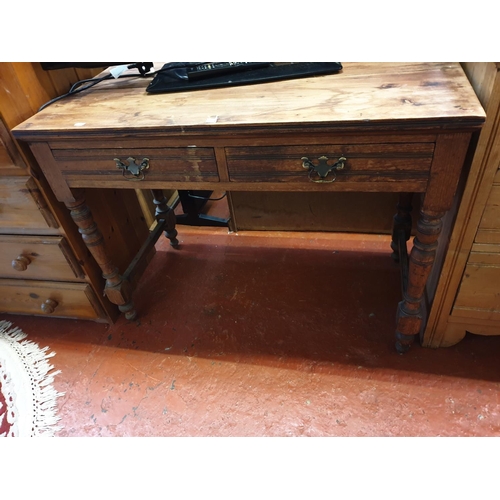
(28,400)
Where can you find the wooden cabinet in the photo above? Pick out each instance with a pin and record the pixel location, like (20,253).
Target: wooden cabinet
(468,293)
(45,269)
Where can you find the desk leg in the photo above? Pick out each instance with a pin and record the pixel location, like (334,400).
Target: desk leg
(117,289)
(402,223)
(409,316)
(164,212)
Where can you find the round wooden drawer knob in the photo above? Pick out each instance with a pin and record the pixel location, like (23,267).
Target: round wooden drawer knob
(21,263)
(49,306)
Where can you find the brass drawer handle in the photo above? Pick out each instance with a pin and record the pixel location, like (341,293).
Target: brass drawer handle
(49,306)
(319,173)
(131,170)
(21,263)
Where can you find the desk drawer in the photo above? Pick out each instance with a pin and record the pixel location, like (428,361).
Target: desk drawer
(364,162)
(186,164)
(62,300)
(40,258)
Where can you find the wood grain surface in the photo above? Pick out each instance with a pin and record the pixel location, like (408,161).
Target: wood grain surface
(369,93)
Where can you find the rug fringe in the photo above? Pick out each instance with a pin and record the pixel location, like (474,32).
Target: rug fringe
(40,371)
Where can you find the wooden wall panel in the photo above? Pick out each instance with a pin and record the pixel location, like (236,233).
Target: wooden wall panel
(24,87)
(338,212)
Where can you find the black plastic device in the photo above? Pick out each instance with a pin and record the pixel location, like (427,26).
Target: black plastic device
(175,77)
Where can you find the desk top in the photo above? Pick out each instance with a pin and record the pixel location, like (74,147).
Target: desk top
(364,95)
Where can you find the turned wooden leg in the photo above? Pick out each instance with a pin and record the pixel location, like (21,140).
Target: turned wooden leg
(409,315)
(402,223)
(163,211)
(117,289)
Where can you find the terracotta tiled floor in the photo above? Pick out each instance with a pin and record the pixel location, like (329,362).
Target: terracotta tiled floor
(267,334)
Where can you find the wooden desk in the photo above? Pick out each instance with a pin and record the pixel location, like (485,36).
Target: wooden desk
(380,127)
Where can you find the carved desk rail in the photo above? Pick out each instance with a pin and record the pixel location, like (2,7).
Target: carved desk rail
(402,127)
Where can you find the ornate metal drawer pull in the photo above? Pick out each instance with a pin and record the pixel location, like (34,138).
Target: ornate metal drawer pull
(133,171)
(322,169)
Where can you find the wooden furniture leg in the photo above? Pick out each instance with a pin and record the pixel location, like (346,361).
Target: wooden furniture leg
(409,316)
(117,289)
(164,212)
(402,223)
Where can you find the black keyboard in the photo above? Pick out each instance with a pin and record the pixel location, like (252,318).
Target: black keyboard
(210,70)
(176,77)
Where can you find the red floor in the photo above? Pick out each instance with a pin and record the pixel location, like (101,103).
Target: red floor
(267,334)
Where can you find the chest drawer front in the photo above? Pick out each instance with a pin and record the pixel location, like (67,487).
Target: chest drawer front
(23,209)
(63,300)
(184,164)
(496,180)
(364,162)
(489,228)
(11,162)
(491,215)
(479,290)
(487,254)
(32,257)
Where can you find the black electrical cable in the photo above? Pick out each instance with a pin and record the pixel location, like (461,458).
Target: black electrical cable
(143,69)
(77,87)
(72,91)
(206,199)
